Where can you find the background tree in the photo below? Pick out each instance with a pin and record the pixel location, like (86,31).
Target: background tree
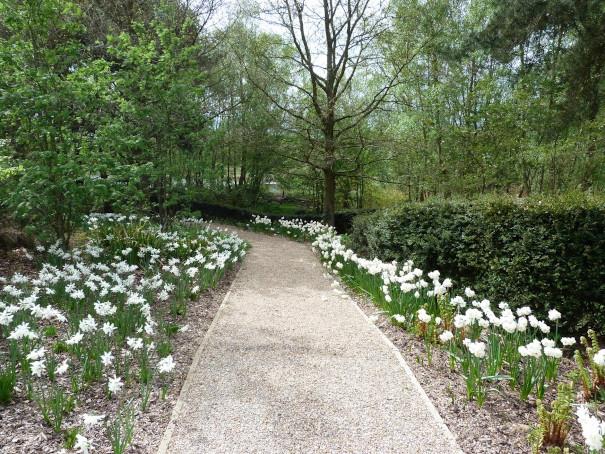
(51,96)
(331,47)
(247,126)
(160,121)
(486,109)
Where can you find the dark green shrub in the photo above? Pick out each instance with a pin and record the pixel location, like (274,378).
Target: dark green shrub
(541,253)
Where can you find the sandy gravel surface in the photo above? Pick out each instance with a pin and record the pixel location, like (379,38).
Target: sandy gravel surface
(290,366)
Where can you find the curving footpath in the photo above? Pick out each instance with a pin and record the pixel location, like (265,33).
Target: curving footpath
(288,366)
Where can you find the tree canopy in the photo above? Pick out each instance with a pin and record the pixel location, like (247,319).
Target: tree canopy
(330,104)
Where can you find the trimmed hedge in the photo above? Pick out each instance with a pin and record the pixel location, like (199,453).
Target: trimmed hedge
(344,219)
(541,254)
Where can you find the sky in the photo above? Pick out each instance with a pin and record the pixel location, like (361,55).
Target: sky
(266,22)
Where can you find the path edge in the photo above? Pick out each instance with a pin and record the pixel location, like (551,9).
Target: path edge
(167,437)
(410,374)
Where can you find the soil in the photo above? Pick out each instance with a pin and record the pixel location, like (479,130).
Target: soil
(16,261)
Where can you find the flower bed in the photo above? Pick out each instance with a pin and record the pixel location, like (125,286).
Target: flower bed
(489,346)
(98,323)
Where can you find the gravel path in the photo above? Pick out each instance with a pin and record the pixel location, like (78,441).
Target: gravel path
(290,366)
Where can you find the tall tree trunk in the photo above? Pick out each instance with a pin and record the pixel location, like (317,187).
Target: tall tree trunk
(328,169)
(329,195)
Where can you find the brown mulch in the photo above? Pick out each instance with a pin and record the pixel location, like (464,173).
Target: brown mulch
(16,261)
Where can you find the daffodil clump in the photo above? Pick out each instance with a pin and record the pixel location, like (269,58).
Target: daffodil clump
(487,343)
(297,229)
(102,316)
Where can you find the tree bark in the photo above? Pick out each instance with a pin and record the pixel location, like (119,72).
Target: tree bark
(329,195)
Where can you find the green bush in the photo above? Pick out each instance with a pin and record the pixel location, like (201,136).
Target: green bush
(542,253)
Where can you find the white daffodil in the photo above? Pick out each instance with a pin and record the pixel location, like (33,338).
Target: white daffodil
(114,384)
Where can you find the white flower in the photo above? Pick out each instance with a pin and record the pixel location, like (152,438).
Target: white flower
(553,352)
(6,318)
(135,298)
(82,444)
(434,275)
(476,348)
(592,430)
(106,359)
(62,368)
(114,385)
(88,324)
(522,324)
(75,339)
(508,324)
(543,327)
(163,295)
(423,316)
(568,341)
(166,365)
(446,336)
(523,311)
(78,294)
(22,331)
(599,358)
(399,318)
(92,420)
(135,343)
(533,349)
(493,319)
(485,306)
(36,354)
(469,292)
(473,315)
(460,321)
(548,342)
(554,315)
(108,328)
(105,309)
(148,328)
(38,368)
(458,301)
